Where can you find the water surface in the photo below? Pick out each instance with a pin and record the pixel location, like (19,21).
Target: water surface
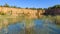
(35,26)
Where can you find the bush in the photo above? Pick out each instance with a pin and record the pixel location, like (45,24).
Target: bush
(1,13)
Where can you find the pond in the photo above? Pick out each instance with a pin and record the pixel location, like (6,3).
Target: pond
(34,26)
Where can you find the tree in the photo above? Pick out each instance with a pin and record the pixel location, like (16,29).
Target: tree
(14,7)
(33,8)
(1,5)
(39,8)
(2,13)
(55,10)
(54,7)
(18,7)
(6,5)
(26,7)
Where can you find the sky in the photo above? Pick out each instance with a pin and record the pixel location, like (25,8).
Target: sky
(30,3)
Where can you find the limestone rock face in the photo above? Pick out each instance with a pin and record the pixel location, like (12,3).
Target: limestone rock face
(16,11)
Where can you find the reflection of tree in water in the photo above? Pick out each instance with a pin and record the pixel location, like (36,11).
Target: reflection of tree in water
(54,12)
(28,26)
(30,31)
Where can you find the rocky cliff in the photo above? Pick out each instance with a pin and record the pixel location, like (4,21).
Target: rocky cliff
(19,11)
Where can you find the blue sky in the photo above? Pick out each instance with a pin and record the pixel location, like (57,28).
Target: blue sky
(30,3)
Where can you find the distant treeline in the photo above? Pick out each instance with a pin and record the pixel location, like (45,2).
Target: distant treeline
(54,10)
(6,5)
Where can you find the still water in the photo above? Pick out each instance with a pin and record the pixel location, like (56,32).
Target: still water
(36,26)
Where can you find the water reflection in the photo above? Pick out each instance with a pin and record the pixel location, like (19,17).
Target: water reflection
(31,26)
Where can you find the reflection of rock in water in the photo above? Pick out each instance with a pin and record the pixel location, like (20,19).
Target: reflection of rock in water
(1,26)
(40,27)
(17,28)
(5,22)
(5,30)
(29,23)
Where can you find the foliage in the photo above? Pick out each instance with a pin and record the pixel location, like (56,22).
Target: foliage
(26,7)
(45,8)
(6,5)
(39,8)
(56,6)
(53,11)
(33,8)
(14,6)
(18,7)
(1,13)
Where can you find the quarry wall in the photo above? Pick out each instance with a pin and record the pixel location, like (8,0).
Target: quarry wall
(19,11)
